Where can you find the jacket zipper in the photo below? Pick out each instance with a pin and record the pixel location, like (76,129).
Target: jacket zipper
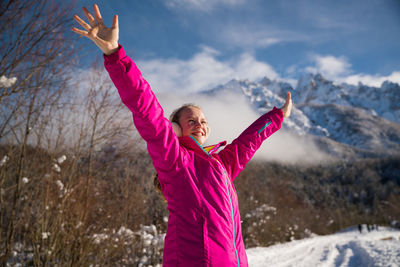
(229,196)
(233,219)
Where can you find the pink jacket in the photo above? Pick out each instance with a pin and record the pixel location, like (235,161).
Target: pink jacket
(204,227)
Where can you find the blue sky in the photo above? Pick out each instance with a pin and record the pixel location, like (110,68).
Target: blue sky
(194,45)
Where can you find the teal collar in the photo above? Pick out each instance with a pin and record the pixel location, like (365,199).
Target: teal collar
(191,143)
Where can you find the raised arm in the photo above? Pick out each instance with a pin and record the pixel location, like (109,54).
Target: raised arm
(236,155)
(135,92)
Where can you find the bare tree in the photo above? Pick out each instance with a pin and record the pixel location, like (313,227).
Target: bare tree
(104,119)
(34,51)
(35,55)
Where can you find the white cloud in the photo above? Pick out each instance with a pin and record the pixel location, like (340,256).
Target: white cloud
(372,80)
(202,5)
(289,148)
(329,66)
(338,69)
(248,67)
(250,38)
(256,35)
(203,71)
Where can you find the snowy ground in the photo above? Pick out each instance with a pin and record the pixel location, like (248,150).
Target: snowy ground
(347,248)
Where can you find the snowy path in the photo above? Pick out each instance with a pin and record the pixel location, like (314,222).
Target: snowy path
(377,248)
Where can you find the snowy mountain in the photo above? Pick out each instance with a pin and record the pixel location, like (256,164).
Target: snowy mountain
(361,120)
(348,248)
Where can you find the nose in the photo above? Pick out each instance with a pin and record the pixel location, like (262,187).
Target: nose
(197,124)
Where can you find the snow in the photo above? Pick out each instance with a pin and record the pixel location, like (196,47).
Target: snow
(7,82)
(56,168)
(61,159)
(99,238)
(60,185)
(45,235)
(4,160)
(348,248)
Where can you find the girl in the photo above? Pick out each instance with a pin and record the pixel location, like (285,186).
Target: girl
(204,222)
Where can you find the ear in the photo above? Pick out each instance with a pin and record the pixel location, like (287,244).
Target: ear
(177,129)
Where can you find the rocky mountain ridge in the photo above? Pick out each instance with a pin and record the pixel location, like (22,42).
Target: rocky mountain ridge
(362,120)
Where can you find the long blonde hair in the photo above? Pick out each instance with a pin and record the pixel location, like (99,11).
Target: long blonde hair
(174,117)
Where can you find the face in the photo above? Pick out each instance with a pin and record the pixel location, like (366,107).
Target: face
(194,123)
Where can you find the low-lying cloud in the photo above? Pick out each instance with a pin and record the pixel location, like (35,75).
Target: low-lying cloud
(231,115)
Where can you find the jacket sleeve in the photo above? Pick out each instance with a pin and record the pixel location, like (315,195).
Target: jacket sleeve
(148,115)
(236,155)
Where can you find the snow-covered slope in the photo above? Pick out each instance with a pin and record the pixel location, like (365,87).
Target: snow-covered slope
(364,119)
(349,248)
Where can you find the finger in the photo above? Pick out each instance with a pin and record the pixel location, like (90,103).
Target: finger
(97,14)
(288,98)
(115,22)
(82,22)
(81,32)
(89,17)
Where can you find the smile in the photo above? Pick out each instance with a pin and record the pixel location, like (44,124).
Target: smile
(198,133)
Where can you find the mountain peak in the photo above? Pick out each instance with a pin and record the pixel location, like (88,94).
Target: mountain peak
(365,119)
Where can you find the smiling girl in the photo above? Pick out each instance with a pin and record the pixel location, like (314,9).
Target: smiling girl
(204,226)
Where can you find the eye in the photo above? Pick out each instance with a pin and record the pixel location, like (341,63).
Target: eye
(204,122)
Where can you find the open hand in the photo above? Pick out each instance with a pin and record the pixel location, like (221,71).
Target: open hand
(287,107)
(105,38)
